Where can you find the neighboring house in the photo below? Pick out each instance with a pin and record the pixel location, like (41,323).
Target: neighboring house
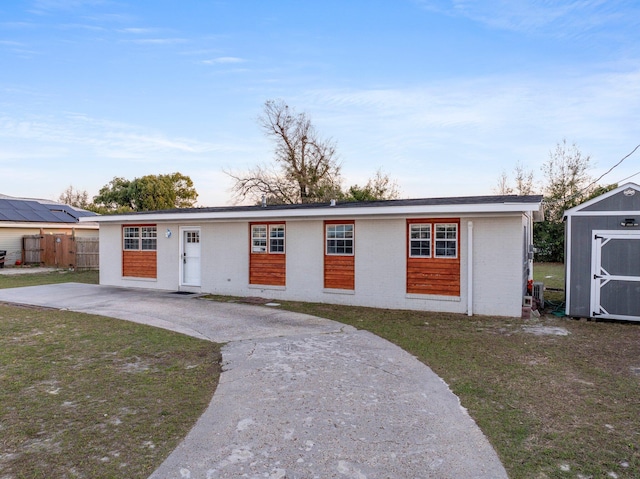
(20,217)
(602,261)
(465,255)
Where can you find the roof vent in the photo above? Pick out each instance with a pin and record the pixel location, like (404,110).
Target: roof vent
(332,203)
(264,201)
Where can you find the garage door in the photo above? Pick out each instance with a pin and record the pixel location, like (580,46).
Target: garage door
(615,268)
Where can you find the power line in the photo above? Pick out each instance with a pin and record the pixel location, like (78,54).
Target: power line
(613,167)
(586,188)
(628,177)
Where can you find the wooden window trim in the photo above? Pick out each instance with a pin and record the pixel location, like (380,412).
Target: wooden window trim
(433,275)
(339,269)
(268,267)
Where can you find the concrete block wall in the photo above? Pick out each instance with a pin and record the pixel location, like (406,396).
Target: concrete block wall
(380,264)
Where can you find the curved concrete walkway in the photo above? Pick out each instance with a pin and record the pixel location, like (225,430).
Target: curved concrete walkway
(299,396)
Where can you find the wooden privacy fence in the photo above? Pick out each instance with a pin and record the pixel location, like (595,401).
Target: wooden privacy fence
(61,251)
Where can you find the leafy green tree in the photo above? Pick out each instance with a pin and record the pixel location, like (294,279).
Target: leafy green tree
(380,187)
(148,193)
(568,184)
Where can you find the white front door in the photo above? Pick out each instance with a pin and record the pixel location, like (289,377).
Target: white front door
(190,261)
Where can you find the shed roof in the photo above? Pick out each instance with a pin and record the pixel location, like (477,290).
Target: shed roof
(625,198)
(442,205)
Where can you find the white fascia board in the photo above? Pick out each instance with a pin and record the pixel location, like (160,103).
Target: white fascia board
(87,226)
(604,213)
(328,212)
(616,234)
(576,209)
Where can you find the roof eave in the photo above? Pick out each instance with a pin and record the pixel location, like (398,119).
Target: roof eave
(329,211)
(597,199)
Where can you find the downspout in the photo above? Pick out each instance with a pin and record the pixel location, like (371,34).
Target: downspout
(470,268)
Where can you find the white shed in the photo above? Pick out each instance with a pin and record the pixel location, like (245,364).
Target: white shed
(465,255)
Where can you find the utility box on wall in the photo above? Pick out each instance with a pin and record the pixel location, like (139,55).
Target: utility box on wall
(602,261)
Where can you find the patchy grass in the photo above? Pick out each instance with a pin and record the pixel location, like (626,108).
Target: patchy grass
(54,277)
(84,396)
(553,406)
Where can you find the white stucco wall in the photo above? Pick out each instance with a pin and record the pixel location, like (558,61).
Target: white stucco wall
(380,264)
(497,266)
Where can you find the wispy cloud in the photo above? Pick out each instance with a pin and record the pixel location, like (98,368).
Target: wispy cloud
(158,41)
(105,138)
(19,49)
(559,17)
(139,31)
(47,5)
(18,25)
(489,122)
(223,61)
(81,26)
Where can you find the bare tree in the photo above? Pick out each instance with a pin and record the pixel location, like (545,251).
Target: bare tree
(523,182)
(306,167)
(503,188)
(74,197)
(568,181)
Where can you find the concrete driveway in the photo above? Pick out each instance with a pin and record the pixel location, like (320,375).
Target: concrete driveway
(300,396)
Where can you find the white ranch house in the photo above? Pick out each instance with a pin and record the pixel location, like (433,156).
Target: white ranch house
(470,255)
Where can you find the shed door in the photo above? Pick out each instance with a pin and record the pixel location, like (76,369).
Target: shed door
(615,268)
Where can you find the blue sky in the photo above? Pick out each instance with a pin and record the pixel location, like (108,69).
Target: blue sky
(442,95)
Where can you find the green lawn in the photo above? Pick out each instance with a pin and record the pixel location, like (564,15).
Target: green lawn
(84,396)
(552,275)
(54,277)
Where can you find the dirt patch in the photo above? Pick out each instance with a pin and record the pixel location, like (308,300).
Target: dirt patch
(541,330)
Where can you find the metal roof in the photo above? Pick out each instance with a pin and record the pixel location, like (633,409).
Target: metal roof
(32,211)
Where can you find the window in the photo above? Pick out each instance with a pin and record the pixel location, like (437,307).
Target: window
(137,238)
(340,239)
(276,239)
(259,239)
(132,237)
(446,240)
(149,238)
(193,237)
(275,243)
(420,241)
